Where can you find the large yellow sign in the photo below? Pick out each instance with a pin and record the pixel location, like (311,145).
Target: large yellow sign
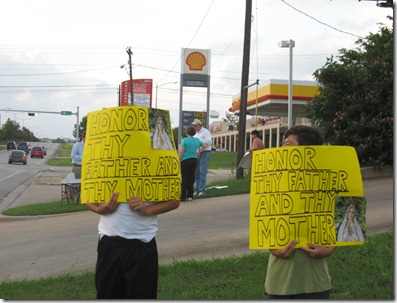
(294,191)
(130,150)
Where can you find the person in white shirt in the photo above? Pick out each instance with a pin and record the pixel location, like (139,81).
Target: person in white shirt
(204,136)
(127,264)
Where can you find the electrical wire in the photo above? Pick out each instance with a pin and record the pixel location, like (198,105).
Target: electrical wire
(323,23)
(180,57)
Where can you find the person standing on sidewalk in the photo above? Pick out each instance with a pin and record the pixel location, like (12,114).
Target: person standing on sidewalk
(127,264)
(299,273)
(204,136)
(77,156)
(188,151)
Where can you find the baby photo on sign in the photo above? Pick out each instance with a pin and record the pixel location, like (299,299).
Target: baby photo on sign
(160,129)
(350,219)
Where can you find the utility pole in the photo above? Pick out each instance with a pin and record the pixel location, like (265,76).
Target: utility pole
(244,88)
(129,52)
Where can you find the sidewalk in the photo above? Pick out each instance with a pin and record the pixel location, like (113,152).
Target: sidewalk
(43,187)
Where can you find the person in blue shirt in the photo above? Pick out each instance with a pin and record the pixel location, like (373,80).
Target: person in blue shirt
(188,151)
(77,156)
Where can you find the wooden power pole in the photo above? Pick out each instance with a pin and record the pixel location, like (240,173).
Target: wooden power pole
(244,88)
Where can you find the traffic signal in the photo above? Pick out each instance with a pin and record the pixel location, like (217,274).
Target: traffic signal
(33,114)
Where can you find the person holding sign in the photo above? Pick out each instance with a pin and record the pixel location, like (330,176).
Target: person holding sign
(299,273)
(128,182)
(127,265)
(188,151)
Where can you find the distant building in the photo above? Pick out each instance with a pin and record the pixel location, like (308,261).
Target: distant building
(268,104)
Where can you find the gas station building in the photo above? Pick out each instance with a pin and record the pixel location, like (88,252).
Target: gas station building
(268,106)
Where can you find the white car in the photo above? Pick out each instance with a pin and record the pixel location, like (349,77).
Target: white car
(44,149)
(219,149)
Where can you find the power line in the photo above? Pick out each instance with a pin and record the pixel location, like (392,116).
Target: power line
(179,59)
(307,15)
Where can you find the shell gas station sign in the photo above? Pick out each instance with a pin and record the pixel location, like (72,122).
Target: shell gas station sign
(195,67)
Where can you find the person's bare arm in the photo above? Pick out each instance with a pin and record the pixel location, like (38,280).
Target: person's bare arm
(285,252)
(202,148)
(318,251)
(181,151)
(137,205)
(105,208)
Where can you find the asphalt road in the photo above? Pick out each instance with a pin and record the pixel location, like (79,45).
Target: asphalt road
(206,228)
(12,175)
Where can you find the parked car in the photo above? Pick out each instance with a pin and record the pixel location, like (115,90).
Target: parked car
(25,146)
(18,156)
(11,145)
(37,151)
(44,149)
(218,149)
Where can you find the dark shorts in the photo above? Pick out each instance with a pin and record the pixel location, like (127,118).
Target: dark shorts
(323,295)
(126,269)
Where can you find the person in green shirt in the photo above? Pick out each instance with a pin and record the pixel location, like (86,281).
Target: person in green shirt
(189,151)
(299,273)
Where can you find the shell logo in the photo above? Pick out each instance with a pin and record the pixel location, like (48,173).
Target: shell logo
(196,61)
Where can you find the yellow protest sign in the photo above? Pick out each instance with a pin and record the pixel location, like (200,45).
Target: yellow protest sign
(130,150)
(293,194)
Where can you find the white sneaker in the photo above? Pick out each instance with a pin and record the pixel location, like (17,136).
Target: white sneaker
(200,194)
(189,199)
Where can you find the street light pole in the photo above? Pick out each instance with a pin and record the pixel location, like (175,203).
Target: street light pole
(129,52)
(290,44)
(157,88)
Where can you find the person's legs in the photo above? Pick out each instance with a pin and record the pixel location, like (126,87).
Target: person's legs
(190,176)
(185,178)
(108,277)
(197,175)
(140,264)
(202,172)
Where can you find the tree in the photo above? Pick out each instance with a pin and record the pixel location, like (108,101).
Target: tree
(10,130)
(355,104)
(82,127)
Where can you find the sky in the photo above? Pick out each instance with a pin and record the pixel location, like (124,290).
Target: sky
(66,55)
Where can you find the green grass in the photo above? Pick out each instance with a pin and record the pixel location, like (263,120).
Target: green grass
(49,208)
(358,273)
(60,162)
(222,160)
(62,156)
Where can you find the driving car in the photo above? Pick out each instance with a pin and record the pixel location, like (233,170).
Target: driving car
(11,145)
(25,146)
(18,156)
(44,149)
(37,151)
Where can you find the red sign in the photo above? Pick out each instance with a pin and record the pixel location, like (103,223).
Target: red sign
(142,95)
